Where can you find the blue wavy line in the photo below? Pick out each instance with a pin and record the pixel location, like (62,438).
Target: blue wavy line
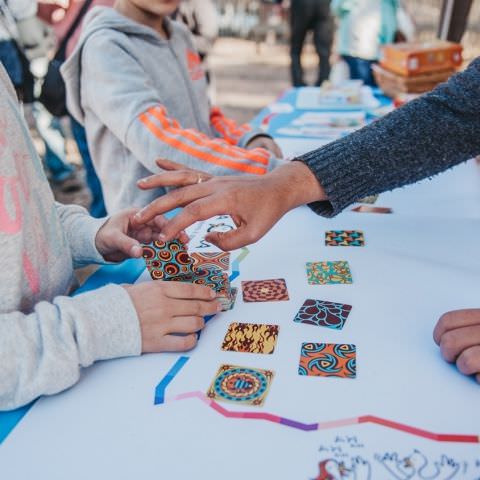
(162,386)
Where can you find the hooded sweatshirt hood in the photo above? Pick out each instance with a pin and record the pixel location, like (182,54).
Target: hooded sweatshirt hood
(97,21)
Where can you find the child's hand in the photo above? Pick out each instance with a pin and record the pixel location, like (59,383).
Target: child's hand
(119,238)
(458,335)
(168,308)
(267,143)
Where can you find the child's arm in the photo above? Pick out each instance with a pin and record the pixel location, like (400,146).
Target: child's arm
(42,353)
(232,133)
(110,239)
(120,96)
(81,230)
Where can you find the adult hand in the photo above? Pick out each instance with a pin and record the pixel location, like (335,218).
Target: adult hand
(119,237)
(268,143)
(255,203)
(458,335)
(165,309)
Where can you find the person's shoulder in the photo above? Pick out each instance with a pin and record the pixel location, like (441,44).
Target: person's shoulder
(104,25)
(104,41)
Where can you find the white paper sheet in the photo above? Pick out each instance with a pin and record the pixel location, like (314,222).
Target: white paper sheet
(412,269)
(294,147)
(309,98)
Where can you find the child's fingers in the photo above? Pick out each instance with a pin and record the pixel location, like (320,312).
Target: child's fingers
(456,319)
(144,235)
(183,237)
(159,222)
(171,343)
(191,308)
(128,245)
(187,324)
(185,291)
(469,361)
(454,342)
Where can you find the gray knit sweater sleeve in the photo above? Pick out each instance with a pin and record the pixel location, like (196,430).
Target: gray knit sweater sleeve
(423,138)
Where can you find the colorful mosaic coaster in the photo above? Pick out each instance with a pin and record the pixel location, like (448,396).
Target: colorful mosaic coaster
(240,385)
(323,314)
(250,338)
(344,238)
(167,259)
(265,290)
(213,278)
(328,360)
(326,273)
(220,260)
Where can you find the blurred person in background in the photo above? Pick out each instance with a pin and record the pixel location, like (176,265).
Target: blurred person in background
(23,38)
(305,16)
(363,27)
(61,16)
(13,16)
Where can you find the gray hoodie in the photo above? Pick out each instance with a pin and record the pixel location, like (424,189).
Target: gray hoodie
(142,97)
(45,336)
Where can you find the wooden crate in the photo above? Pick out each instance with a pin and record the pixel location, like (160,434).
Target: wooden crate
(413,59)
(393,84)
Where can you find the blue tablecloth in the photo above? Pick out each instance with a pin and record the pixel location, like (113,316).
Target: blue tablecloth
(277,121)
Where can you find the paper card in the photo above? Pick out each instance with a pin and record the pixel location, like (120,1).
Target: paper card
(323,314)
(250,338)
(240,385)
(370,209)
(265,290)
(332,119)
(312,132)
(220,260)
(167,259)
(344,238)
(327,273)
(198,231)
(281,107)
(328,360)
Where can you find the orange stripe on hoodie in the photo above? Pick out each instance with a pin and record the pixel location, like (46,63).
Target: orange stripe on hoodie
(257,155)
(205,156)
(227,127)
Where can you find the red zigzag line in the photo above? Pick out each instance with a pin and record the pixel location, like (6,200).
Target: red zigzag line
(438,437)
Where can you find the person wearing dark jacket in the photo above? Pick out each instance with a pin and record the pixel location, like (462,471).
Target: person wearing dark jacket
(305,16)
